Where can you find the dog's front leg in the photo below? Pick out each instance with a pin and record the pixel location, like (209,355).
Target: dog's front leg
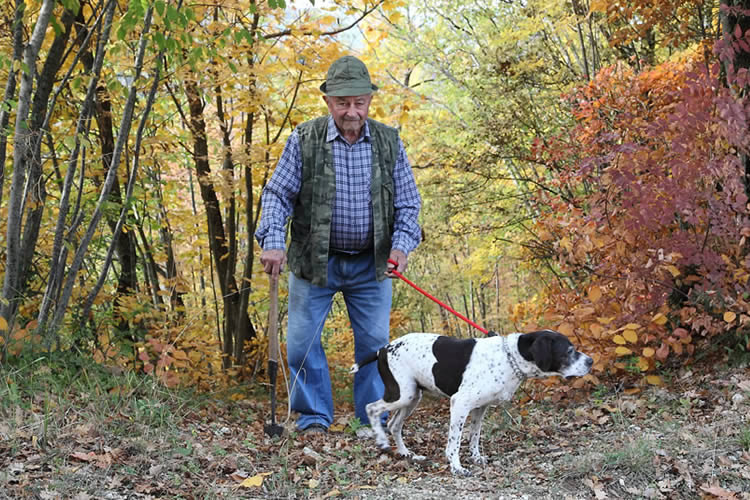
(459,412)
(475,427)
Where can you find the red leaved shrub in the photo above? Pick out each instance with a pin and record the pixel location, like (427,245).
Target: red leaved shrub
(647,221)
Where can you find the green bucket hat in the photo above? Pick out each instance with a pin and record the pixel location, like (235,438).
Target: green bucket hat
(348,76)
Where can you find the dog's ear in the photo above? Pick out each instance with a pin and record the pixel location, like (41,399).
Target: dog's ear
(537,349)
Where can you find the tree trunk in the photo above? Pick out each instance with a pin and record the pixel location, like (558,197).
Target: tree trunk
(127,283)
(150,268)
(58,258)
(122,138)
(166,235)
(39,115)
(10,90)
(218,244)
(117,230)
(22,149)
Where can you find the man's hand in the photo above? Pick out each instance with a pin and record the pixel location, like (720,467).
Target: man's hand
(400,258)
(273,261)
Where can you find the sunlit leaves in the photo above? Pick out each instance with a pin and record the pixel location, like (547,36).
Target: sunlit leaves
(71,5)
(491,76)
(647,187)
(671,22)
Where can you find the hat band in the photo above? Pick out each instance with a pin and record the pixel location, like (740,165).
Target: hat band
(348,87)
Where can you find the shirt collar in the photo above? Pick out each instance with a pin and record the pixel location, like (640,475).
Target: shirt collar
(333,131)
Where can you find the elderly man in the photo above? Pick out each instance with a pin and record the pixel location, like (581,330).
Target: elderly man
(347,185)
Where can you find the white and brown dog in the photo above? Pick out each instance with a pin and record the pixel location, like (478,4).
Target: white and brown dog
(474,373)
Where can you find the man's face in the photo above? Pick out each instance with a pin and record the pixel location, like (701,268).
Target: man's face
(349,112)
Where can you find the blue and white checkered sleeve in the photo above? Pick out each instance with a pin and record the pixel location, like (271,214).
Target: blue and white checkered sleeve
(406,202)
(278,196)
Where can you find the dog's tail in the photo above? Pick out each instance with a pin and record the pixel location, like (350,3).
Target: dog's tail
(367,360)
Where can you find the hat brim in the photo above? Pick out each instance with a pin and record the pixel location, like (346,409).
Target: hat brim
(347,89)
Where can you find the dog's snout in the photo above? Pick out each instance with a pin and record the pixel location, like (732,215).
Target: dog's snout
(589,362)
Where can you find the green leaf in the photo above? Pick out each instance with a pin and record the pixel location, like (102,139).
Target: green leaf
(135,10)
(160,40)
(172,14)
(71,5)
(56,27)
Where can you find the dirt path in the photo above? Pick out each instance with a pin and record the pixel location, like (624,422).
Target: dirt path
(691,441)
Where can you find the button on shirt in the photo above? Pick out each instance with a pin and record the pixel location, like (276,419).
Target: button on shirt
(351,225)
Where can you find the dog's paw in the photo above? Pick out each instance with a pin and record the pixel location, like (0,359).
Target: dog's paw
(383,445)
(479,460)
(457,470)
(409,455)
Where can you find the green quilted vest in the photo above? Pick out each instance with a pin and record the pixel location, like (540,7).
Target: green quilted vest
(311,219)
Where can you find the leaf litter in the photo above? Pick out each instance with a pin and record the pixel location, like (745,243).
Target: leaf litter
(689,439)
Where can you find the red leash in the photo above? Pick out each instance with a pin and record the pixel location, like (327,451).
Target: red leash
(441,304)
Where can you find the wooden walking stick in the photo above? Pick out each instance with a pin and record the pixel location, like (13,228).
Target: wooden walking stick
(273,429)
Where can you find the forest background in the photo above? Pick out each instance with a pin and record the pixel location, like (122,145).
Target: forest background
(583,166)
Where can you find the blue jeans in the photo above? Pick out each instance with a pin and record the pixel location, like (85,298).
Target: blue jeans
(368,302)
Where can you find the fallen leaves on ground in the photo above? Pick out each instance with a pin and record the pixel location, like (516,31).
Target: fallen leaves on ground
(690,439)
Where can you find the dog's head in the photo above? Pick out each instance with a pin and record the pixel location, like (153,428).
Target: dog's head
(554,354)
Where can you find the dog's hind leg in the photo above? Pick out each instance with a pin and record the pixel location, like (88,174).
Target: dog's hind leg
(374,411)
(459,411)
(409,409)
(396,415)
(396,424)
(475,427)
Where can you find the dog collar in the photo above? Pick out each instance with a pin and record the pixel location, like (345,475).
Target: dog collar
(513,361)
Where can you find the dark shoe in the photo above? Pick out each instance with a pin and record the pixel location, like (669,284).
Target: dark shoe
(315,429)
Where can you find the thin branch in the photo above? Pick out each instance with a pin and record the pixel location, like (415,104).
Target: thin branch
(365,13)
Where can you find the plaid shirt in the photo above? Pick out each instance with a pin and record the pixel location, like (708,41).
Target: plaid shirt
(351,225)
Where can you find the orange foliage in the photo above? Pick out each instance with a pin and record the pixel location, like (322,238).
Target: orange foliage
(677,21)
(340,346)
(646,218)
